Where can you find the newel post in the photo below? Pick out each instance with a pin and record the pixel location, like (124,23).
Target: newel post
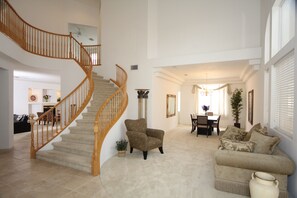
(95,157)
(32,148)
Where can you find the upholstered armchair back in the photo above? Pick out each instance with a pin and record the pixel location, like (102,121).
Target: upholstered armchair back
(136,125)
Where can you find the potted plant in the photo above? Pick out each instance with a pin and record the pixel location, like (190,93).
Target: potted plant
(46,97)
(205,108)
(121,147)
(236,104)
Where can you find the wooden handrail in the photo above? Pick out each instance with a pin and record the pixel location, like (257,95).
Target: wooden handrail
(48,44)
(109,112)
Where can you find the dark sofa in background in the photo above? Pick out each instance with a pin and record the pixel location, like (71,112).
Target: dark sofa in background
(21,123)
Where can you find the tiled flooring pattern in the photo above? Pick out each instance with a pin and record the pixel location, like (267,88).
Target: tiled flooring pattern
(184,170)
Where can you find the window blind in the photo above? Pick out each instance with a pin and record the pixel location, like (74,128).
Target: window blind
(282,94)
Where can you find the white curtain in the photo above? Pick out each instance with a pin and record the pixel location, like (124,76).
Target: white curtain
(216,99)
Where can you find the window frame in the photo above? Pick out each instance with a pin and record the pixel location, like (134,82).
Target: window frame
(275,57)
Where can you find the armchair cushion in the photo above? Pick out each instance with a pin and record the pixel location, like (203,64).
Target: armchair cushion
(156,133)
(137,140)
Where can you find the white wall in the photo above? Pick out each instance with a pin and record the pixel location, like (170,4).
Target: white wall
(256,83)
(162,87)
(6,115)
(54,15)
(20,90)
(200,31)
(124,41)
(193,27)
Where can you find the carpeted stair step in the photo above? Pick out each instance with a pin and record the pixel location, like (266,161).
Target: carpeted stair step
(66,159)
(88,114)
(78,138)
(74,148)
(82,130)
(85,122)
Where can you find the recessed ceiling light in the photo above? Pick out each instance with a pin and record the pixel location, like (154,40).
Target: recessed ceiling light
(185,74)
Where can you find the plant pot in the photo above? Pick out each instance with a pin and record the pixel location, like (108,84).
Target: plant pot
(121,153)
(237,125)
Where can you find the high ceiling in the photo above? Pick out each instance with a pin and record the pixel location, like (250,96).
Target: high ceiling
(36,76)
(210,72)
(25,72)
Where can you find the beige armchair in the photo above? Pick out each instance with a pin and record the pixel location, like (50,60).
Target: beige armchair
(143,138)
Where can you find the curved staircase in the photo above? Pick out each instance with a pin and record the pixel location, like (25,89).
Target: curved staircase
(76,148)
(80,148)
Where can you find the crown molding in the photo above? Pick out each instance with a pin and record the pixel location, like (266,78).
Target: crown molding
(166,75)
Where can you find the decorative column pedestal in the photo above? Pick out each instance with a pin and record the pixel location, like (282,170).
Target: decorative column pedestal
(142,102)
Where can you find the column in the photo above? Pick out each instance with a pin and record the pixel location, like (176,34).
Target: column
(142,102)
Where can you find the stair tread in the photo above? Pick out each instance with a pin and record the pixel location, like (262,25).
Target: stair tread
(76,148)
(77,162)
(86,138)
(68,157)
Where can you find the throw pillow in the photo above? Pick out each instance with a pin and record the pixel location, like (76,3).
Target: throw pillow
(263,131)
(19,118)
(264,144)
(25,118)
(234,133)
(235,145)
(248,135)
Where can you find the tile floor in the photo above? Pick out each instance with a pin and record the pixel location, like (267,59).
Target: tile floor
(185,170)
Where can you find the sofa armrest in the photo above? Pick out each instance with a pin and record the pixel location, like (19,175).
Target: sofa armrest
(157,133)
(279,164)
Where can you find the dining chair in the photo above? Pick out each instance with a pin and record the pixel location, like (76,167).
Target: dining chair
(194,122)
(202,123)
(216,124)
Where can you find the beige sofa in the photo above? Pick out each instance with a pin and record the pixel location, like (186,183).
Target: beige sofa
(233,169)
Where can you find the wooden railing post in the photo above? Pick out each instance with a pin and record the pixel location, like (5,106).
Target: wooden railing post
(32,148)
(70,45)
(95,157)
(81,55)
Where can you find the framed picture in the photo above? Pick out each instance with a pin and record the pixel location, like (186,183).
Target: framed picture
(170,105)
(250,106)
